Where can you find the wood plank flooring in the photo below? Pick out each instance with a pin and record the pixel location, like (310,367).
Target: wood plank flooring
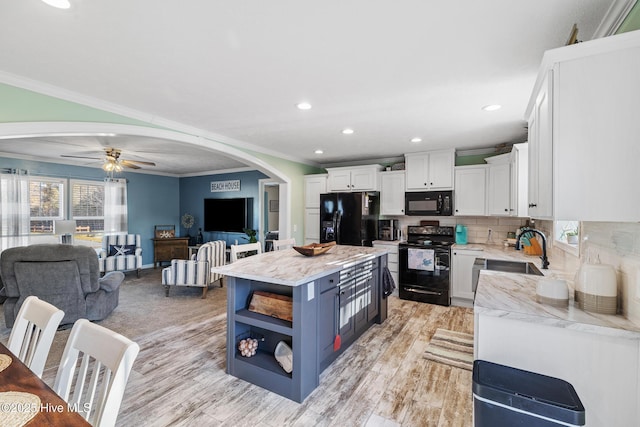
(383,380)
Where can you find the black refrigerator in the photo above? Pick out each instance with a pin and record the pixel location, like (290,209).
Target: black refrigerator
(349,218)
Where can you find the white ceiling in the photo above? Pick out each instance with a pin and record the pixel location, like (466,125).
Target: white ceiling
(234,71)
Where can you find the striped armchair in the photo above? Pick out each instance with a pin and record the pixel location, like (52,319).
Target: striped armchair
(120,252)
(197,270)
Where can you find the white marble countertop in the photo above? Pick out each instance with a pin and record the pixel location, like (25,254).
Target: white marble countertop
(513,296)
(288,267)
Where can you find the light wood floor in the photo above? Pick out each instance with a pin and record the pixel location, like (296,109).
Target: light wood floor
(179,377)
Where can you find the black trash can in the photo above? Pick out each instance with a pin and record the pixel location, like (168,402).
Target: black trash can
(508,397)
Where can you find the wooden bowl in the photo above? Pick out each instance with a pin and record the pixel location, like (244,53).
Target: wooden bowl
(314,248)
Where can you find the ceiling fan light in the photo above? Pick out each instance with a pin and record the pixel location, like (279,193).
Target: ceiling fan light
(60,4)
(107,166)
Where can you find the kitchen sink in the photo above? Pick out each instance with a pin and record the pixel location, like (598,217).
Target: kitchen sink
(521,267)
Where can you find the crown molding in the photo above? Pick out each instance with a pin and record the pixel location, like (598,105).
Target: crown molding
(88,101)
(615,16)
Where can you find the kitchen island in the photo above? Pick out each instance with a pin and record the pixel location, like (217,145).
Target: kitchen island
(337,293)
(598,354)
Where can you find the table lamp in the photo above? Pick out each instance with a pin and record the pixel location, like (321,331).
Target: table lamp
(65,228)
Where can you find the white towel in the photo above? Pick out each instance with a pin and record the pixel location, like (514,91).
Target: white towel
(421,259)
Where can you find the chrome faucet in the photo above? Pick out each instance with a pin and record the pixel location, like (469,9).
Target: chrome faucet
(545,260)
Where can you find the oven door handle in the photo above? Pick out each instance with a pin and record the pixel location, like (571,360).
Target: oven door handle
(421,291)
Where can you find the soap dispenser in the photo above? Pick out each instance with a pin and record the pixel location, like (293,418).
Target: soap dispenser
(461,234)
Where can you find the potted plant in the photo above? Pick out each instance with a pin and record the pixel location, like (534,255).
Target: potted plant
(252,235)
(570,235)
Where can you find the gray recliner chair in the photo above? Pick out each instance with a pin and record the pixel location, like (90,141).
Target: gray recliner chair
(63,275)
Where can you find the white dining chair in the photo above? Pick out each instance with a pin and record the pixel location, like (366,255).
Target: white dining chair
(33,332)
(283,244)
(239,249)
(96,364)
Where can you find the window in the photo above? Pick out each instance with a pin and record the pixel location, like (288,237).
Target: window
(87,205)
(46,203)
(567,236)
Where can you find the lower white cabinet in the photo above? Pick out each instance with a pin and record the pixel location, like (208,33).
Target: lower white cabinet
(603,368)
(462,291)
(392,260)
(311,225)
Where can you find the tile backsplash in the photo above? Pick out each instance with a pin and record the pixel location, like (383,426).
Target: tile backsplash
(477,227)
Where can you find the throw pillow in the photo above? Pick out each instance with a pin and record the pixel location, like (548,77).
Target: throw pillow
(118,250)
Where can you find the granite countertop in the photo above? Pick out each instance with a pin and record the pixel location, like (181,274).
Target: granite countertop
(288,267)
(513,296)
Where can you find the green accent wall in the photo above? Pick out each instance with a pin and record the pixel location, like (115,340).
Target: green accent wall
(632,21)
(22,105)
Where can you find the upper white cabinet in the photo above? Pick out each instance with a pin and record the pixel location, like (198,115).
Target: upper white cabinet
(499,187)
(392,193)
(540,152)
(314,186)
(353,178)
(519,161)
(583,132)
(471,190)
(430,170)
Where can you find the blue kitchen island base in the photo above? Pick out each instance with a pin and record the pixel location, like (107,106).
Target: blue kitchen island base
(346,300)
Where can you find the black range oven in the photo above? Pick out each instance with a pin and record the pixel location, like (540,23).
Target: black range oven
(424,264)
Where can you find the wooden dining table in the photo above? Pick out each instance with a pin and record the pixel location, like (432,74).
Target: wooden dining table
(52,410)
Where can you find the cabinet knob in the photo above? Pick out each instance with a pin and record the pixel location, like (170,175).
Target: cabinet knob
(506,210)
(532,205)
(330,280)
(431,183)
(456,210)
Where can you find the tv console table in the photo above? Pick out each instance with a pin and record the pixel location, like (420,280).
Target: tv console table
(170,248)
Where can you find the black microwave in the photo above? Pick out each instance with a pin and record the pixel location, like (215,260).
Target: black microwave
(429,203)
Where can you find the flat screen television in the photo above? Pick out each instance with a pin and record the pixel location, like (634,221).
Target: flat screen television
(231,215)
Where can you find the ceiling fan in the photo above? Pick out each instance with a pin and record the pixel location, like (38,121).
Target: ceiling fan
(112,161)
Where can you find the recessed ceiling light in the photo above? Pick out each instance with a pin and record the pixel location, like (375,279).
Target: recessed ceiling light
(492,107)
(318,151)
(347,131)
(60,4)
(416,139)
(304,106)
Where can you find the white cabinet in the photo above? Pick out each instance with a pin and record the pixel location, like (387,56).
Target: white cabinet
(584,131)
(314,185)
(519,201)
(462,260)
(499,185)
(392,260)
(540,155)
(311,225)
(392,193)
(430,171)
(470,195)
(593,362)
(355,178)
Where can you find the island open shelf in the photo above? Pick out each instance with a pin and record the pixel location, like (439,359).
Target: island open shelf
(338,291)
